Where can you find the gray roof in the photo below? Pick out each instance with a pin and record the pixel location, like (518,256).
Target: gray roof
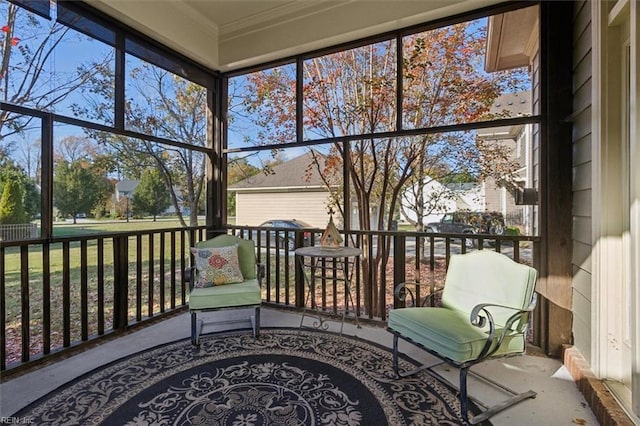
(511,105)
(127,185)
(462,186)
(517,104)
(299,172)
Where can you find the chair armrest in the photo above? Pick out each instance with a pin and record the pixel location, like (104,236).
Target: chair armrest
(261,272)
(189,274)
(480,320)
(401,290)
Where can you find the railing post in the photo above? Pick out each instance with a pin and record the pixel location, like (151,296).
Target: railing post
(120,281)
(25,302)
(399,263)
(298,283)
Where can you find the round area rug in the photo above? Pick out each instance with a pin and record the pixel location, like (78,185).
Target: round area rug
(286,377)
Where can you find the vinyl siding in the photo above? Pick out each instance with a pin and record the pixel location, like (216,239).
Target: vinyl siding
(254,208)
(582,183)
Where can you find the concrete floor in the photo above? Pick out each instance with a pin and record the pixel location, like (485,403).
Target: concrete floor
(558,401)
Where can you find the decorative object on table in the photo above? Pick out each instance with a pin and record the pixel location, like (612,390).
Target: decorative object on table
(331,237)
(285,377)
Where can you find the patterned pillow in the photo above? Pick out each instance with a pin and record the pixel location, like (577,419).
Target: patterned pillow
(217,266)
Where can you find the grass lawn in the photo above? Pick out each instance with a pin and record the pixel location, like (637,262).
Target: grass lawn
(69,229)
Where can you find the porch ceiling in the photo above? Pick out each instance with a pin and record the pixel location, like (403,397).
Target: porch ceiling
(231,34)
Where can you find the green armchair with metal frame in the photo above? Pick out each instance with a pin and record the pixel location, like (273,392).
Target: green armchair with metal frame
(485,306)
(224,275)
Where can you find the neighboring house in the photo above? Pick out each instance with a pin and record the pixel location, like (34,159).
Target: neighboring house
(506,196)
(292,190)
(440,199)
(125,189)
(490,195)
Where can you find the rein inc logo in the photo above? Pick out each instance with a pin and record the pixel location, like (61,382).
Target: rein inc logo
(16,421)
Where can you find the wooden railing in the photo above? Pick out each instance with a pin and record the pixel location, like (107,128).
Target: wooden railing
(63,293)
(388,258)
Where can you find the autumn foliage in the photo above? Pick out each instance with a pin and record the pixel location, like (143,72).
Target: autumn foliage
(355,94)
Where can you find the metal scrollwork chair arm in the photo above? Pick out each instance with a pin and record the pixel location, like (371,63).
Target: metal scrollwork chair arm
(475,316)
(401,290)
(479,320)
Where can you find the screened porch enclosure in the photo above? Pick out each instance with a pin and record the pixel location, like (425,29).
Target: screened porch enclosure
(134,153)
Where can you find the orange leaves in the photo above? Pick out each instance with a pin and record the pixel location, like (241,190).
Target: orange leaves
(7,30)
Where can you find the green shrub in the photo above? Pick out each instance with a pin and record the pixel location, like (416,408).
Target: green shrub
(512,231)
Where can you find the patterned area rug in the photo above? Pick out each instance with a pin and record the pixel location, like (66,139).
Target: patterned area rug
(286,377)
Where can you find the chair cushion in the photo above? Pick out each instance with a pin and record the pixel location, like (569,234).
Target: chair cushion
(485,276)
(246,251)
(230,295)
(448,332)
(217,266)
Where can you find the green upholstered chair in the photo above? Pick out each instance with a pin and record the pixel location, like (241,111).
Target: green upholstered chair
(486,303)
(246,294)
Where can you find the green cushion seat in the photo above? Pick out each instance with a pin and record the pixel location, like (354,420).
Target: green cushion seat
(448,333)
(228,295)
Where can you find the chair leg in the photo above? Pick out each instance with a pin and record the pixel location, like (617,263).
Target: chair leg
(494,409)
(396,364)
(462,396)
(396,367)
(255,322)
(194,330)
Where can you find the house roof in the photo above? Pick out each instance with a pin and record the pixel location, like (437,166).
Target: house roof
(297,173)
(514,105)
(517,104)
(126,185)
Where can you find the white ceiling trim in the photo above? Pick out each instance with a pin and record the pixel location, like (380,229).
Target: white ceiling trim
(268,30)
(207,25)
(279,15)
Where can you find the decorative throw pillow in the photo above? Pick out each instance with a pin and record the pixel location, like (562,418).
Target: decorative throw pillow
(217,266)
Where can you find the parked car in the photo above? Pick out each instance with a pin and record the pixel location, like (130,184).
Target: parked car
(462,222)
(282,238)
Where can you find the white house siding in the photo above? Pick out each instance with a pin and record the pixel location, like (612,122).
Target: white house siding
(606,238)
(582,185)
(253,208)
(493,199)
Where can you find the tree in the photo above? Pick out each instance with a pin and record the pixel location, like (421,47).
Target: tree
(11,208)
(75,148)
(151,195)
(238,169)
(27,45)
(78,187)
(166,105)
(353,92)
(10,172)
